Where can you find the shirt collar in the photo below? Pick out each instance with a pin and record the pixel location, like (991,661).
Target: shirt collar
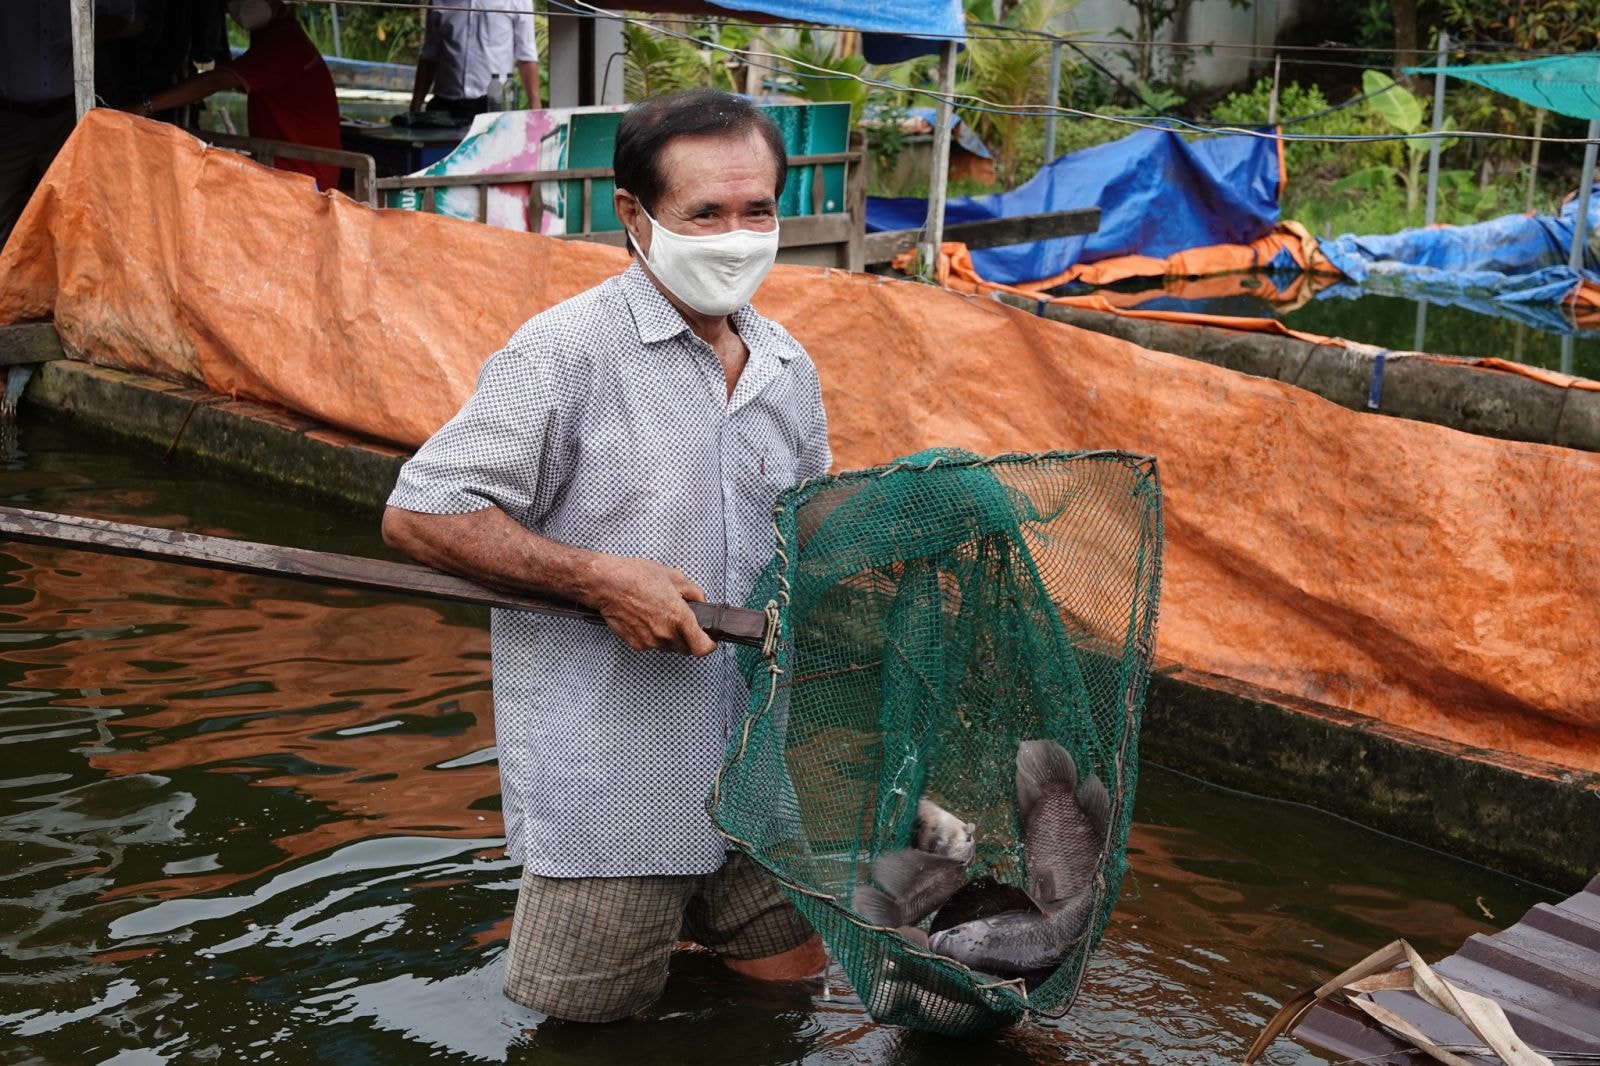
(657,320)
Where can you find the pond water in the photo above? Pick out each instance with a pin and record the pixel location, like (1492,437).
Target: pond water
(248,820)
(1390,321)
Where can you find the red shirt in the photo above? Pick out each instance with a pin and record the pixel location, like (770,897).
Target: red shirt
(290,94)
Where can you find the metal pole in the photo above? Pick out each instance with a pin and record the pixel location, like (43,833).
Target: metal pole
(939,171)
(338,45)
(1054,100)
(1566,353)
(1422,327)
(1438,127)
(1580,224)
(82,55)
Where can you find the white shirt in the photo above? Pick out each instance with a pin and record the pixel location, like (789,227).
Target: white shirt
(472,45)
(606,424)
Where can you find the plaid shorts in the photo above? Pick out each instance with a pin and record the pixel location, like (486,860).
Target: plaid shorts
(595,949)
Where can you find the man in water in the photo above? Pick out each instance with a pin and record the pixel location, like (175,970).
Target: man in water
(624,451)
(290,94)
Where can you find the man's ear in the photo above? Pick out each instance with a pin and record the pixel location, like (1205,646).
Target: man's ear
(631,214)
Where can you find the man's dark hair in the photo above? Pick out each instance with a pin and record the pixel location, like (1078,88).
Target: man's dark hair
(648,126)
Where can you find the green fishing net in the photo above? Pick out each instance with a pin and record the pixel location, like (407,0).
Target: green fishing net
(932,615)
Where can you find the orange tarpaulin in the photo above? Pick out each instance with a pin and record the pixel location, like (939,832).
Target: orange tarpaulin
(1434,579)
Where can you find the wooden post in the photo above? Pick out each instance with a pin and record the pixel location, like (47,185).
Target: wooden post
(82,55)
(1580,224)
(1054,100)
(939,172)
(1272,101)
(1533,163)
(1438,127)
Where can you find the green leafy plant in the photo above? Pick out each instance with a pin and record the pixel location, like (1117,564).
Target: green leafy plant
(1011,68)
(1400,109)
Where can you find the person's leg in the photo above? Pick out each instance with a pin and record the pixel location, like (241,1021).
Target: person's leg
(742,915)
(27,145)
(593,949)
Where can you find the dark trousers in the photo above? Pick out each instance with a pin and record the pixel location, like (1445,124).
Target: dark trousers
(460,109)
(30,137)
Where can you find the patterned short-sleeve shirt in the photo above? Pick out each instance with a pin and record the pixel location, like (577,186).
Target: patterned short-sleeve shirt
(606,424)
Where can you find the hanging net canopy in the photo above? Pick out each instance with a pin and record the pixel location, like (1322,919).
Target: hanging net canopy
(936,618)
(1567,85)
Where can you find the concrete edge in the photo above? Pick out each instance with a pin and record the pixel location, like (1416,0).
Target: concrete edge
(1514,814)
(1524,817)
(1486,402)
(267,444)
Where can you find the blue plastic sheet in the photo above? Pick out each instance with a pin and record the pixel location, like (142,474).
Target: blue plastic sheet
(940,18)
(1157,193)
(1513,259)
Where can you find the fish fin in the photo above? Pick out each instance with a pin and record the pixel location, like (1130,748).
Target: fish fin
(915,935)
(1095,803)
(919,882)
(876,906)
(1041,762)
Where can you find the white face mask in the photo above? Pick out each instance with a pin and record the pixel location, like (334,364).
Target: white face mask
(251,14)
(716,274)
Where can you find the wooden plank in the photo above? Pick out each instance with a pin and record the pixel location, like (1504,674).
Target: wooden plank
(814,229)
(989,233)
(265,150)
(523,177)
(855,203)
(736,625)
(31,342)
(509,177)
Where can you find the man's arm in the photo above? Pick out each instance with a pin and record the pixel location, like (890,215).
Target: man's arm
(641,601)
(426,69)
(193,89)
(529,69)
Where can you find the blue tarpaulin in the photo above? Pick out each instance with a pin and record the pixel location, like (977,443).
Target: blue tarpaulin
(1514,258)
(911,18)
(1157,193)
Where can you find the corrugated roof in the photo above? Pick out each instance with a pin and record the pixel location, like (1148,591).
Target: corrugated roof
(1544,972)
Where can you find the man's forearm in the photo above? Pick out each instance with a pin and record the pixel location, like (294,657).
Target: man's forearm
(426,69)
(529,69)
(489,547)
(641,601)
(196,88)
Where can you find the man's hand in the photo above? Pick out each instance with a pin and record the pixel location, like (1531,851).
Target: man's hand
(643,603)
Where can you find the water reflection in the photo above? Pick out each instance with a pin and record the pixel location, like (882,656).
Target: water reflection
(241,820)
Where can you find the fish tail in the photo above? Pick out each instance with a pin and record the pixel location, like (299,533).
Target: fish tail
(1040,763)
(1095,803)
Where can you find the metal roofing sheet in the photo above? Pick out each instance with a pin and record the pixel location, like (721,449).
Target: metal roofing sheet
(1544,971)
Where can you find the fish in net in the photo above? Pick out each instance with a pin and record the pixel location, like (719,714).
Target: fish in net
(939,623)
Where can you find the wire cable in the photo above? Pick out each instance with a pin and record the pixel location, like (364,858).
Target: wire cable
(977,104)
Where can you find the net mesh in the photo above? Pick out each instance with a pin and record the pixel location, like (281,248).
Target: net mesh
(931,615)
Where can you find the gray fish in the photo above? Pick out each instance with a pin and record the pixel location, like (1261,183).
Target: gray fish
(1064,823)
(942,833)
(913,884)
(993,927)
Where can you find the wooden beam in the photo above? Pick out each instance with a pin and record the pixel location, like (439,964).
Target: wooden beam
(989,232)
(82,21)
(737,625)
(31,342)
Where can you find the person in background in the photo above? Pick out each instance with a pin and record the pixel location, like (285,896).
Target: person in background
(465,44)
(289,89)
(36,107)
